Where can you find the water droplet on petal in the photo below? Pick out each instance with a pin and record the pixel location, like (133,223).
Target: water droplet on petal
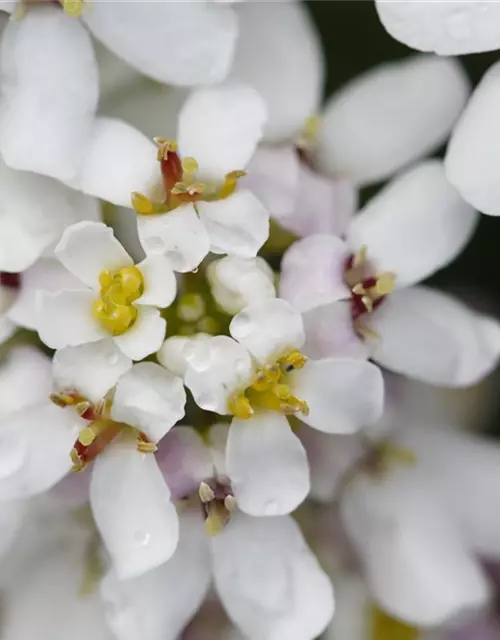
(142,537)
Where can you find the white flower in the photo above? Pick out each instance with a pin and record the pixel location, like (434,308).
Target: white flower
(412,228)
(259,376)
(447,28)
(200,206)
(120,299)
(239,282)
(269,582)
(472,156)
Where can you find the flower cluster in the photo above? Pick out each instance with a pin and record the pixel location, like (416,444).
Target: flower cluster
(208,347)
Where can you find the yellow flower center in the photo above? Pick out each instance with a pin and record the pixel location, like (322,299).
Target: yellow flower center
(181,183)
(270,389)
(119,289)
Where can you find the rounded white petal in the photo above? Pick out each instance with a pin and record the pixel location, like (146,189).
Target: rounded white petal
(391,116)
(183,43)
(160,285)
(269,581)
(217,368)
(172,352)
(145,336)
(49,92)
(185,460)
(117,161)
(149,398)
(312,272)
(12,516)
(430,336)
(179,235)
(279,53)
(91,369)
(353,609)
(158,604)
(330,332)
(415,225)
(47,274)
(267,465)
(472,156)
(25,378)
(35,449)
(65,319)
(220,127)
(416,564)
(343,394)
(447,28)
(34,210)
(268,329)
(237,225)
(88,248)
(239,282)
(7,329)
(132,509)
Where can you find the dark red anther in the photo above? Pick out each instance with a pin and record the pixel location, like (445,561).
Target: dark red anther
(10,280)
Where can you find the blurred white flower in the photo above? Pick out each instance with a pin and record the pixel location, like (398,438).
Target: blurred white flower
(357,295)
(200,206)
(446,28)
(269,582)
(120,300)
(260,377)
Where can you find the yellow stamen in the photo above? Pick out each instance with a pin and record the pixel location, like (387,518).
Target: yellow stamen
(240,407)
(142,204)
(206,492)
(189,165)
(217,518)
(119,289)
(73,8)
(230,503)
(367,303)
(230,183)
(146,447)
(294,360)
(385,283)
(87,436)
(164,146)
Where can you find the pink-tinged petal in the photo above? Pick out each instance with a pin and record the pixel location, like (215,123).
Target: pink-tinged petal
(312,272)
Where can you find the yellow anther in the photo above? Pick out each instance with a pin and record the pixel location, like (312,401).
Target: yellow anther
(294,360)
(131,282)
(360,256)
(311,128)
(191,190)
(73,8)
(142,204)
(240,407)
(189,165)
(292,405)
(165,145)
(119,289)
(359,290)
(230,183)
(218,516)
(146,447)
(385,283)
(86,436)
(266,378)
(64,399)
(78,465)
(230,503)
(206,493)
(191,307)
(367,303)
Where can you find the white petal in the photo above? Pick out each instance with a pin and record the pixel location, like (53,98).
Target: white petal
(268,329)
(391,116)
(472,155)
(181,43)
(160,285)
(217,440)
(145,336)
(49,92)
(35,449)
(267,465)
(91,369)
(447,28)
(415,225)
(343,394)
(416,564)
(286,67)
(185,460)
(118,160)
(115,75)
(273,176)
(124,223)
(12,516)
(34,212)
(330,332)
(353,609)
(430,336)
(239,282)
(237,225)
(179,235)
(464,470)
(7,329)
(88,248)
(158,604)
(221,127)
(149,398)
(269,581)
(217,368)
(172,354)
(25,378)
(132,509)
(65,319)
(312,272)
(47,274)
